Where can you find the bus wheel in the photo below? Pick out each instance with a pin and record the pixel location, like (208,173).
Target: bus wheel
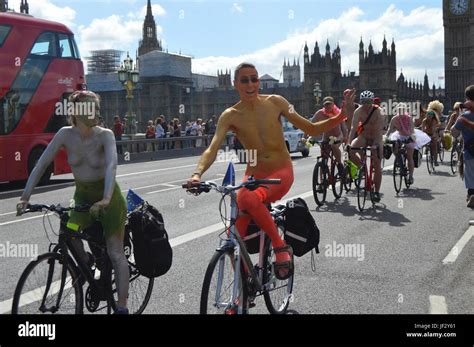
(35,154)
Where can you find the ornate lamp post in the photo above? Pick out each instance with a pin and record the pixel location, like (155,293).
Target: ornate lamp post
(317,93)
(129,76)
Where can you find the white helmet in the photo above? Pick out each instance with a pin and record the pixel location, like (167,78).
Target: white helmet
(366,95)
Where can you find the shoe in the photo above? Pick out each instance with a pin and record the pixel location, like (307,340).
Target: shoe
(121,310)
(411,180)
(376,197)
(436,163)
(470,203)
(284,270)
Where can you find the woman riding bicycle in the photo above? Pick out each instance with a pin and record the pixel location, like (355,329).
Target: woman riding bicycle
(403,123)
(92,156)
(431,125)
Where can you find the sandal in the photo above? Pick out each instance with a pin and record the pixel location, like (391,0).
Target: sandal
(287,265)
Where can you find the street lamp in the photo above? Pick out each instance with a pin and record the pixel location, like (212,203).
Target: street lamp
(317,93)
(129,76)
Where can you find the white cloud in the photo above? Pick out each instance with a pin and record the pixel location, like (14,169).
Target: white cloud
(46,10)
(418,37)
(237,8)
(111,32)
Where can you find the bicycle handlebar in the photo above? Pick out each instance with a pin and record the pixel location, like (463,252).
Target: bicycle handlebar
(55,208)
(206,187)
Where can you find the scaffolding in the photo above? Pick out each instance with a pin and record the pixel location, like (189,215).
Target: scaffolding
(104,61)
(3,5)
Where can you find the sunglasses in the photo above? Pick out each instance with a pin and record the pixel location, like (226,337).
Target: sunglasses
(247,81)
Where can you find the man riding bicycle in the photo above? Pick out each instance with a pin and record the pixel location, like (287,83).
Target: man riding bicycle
(339,133)
(403,123)
(368,123)
(255,119)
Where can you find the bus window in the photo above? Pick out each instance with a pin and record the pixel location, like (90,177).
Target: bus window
(65,50)
(76,50)
(45,45)
(4,30)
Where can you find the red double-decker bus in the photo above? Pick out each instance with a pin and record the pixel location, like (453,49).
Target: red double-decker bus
(40,66)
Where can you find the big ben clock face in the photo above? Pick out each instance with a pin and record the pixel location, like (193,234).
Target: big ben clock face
(458,7)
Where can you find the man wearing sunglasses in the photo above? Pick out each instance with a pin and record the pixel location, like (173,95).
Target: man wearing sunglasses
(256,120)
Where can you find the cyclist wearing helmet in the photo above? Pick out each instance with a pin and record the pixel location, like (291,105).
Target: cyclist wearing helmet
(255,119)
(92,156)
(368,124)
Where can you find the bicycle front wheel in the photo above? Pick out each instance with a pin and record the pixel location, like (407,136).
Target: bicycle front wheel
(361,187)
(454,159)
(218,286)
(440,151)
(337,181)
(320,178)
(277,293)
(429,160)
(47,285)
(397,174)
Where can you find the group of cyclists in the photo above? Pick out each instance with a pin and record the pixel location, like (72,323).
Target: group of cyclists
(256,121)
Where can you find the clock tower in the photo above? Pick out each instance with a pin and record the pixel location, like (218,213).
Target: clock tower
(458,21)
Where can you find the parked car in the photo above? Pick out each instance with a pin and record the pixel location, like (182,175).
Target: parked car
(293,137)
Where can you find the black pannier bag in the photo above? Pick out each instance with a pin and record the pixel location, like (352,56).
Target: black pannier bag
(151,247)
(301,232)
(252,240)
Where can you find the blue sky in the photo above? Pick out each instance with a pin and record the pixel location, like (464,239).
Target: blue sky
(219,34)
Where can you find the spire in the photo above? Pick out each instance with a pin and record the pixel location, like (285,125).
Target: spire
(328,48)
(149,12)
(361,44)
(384,45)
(294,61)
(316,47)
(149,40)
(306,46)
(393,45)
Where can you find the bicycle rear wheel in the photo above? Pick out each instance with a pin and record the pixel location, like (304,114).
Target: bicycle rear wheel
(320,178)
(397,174)
(361,187)
(218,286)
(454,159)
(277,293)
(140,289)
(47,285)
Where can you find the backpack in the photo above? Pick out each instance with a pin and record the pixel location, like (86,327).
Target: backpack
(301,232)
(151,247)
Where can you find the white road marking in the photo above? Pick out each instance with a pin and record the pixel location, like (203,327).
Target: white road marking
(39,187)
(5,214)
(438,305)
(458,247)
(24,219)
(163,190)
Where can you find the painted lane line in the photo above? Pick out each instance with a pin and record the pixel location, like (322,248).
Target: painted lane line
(6,214)
(165,169)
(438,305)
(24,219)
(164,190)
(458,247)
(39,187)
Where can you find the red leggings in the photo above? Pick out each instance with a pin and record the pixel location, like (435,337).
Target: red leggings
(253,203)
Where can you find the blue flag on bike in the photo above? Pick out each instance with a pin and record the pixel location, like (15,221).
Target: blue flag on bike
(133,200)
(229,176)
